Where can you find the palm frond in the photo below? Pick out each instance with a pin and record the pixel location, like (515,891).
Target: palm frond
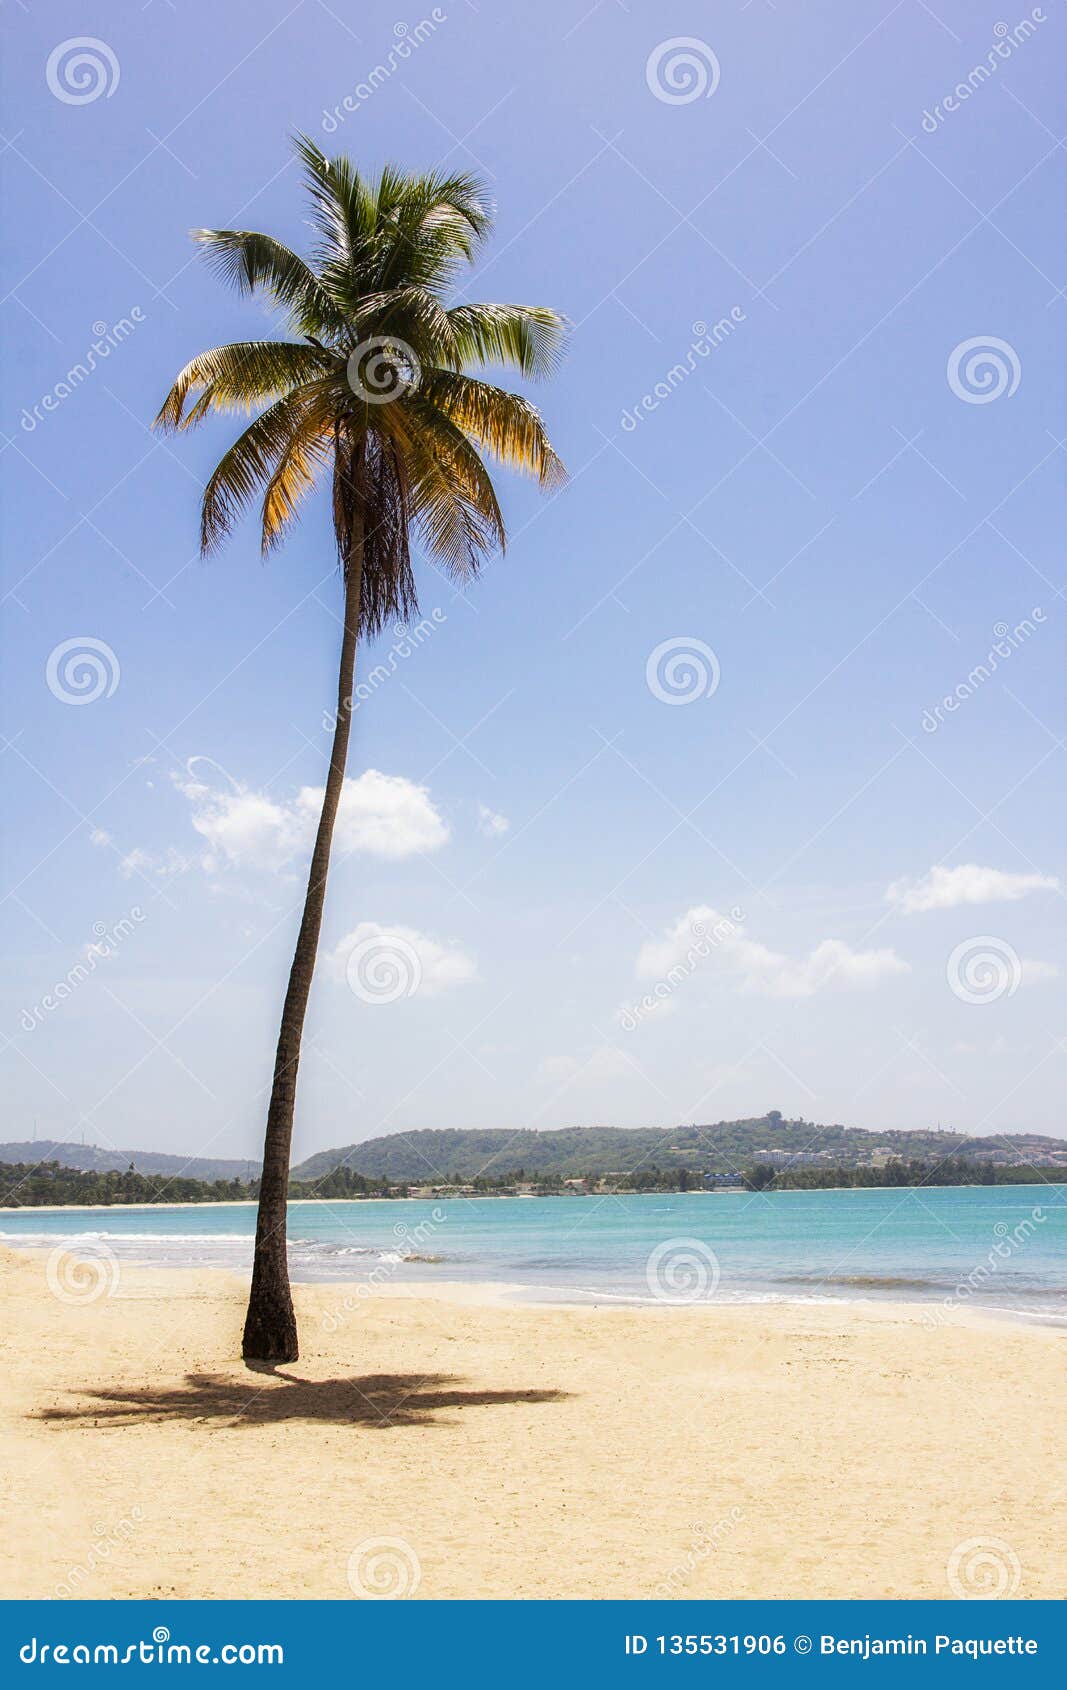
(253,263)
(239,377)
(305,457)
(503,424)
(248,466)
(528,338)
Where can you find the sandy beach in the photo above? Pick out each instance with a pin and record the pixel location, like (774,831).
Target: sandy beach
(514,1450)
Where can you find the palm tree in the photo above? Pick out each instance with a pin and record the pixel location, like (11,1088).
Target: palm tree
(371,390)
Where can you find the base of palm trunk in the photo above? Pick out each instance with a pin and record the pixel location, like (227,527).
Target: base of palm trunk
(270,1325)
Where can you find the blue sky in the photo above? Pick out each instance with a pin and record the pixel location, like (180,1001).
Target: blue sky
(550,821)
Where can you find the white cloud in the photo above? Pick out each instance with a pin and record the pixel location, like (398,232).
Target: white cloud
(99,837)
(946,888)
(494,826)
(606,1063)
(1033,970)
(702,937)
(390,962)
(158,864)
(384,815)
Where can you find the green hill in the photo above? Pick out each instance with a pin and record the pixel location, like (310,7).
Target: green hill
(570,1152)
(91,1159)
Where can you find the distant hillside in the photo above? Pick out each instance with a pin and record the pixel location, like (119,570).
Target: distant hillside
(460,1154)
(88,1158)
(570,1152)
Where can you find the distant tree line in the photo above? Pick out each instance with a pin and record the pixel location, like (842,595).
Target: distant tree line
(26,1185)
(49,1185)
(953,1170)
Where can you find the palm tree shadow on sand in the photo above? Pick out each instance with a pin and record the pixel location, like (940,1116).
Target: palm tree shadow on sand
(387,1400)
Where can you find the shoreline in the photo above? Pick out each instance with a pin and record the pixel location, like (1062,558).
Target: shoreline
(931,1311)
(513,1197)
(745,1452)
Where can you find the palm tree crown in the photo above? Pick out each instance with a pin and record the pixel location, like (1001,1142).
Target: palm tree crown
(375,390)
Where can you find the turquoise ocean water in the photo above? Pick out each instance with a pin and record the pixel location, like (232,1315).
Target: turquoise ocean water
(999,1247)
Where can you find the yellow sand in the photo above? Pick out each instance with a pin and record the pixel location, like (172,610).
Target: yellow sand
(512,1450)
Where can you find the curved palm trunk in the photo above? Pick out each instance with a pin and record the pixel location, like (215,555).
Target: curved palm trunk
(270,1325)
